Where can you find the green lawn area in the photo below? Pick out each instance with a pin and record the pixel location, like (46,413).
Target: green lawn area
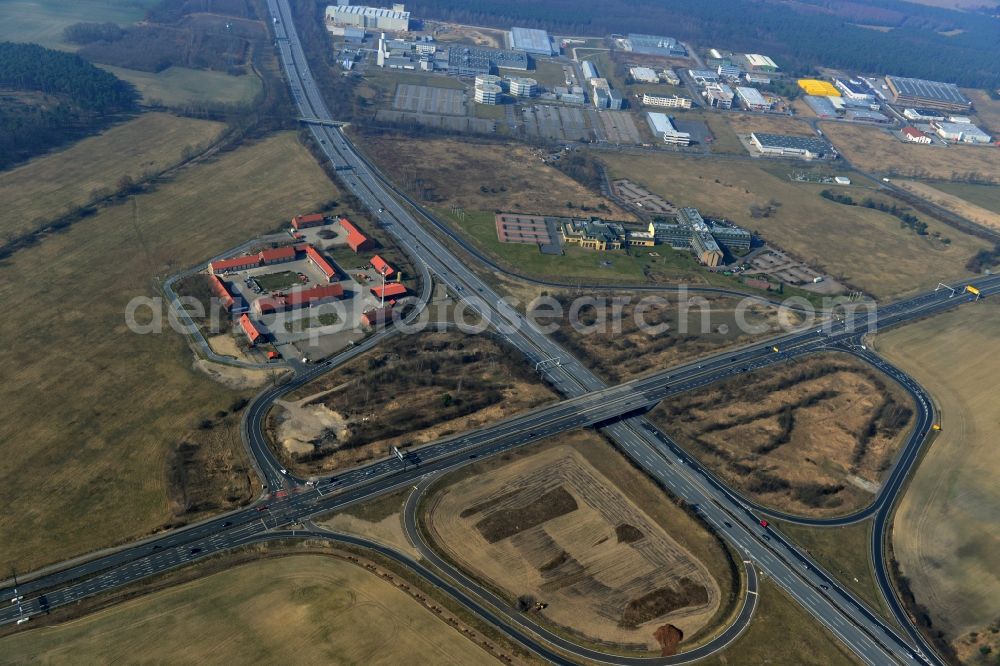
(986,196)
(490,112)
(547,72)
(176,86)
(277,281)
(305,323)
(43,21)
(576,263)
(844,552)
(782,632)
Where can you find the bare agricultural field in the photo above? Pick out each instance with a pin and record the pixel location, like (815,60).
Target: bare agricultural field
(865,248)
(955,204)
(317,603)
(95,413)
(46,186)
(944,534)
(987,109)
(569,523)
(812,437)
(745,123)
(873,149)
(412,391)
(661,332)
(481,176)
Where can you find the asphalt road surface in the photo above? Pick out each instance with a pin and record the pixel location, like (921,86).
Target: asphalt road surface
(589,403)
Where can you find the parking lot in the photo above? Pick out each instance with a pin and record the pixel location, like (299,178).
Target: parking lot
(558,123)
(427,99)
(618,127)
(453,123)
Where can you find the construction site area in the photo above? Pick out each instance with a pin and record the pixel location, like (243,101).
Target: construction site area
(553,531)
(418,389)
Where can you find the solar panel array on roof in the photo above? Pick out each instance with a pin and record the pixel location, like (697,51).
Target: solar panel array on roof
(932,93)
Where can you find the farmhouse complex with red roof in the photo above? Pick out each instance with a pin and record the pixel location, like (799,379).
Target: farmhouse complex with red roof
(307,221)
(356,240)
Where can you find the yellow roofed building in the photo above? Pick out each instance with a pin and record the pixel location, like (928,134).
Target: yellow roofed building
(818,88)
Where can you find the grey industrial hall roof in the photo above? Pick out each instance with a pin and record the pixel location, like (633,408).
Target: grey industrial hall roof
(530,40)
(812,144)
(945,92)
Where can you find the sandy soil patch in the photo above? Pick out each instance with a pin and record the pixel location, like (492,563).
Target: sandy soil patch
(551,528)
(238,378)
(414,390)
(388,531)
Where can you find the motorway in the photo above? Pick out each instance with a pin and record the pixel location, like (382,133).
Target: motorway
(588,403)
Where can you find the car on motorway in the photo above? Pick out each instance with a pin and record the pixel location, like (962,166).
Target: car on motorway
(764,523)
(262,508)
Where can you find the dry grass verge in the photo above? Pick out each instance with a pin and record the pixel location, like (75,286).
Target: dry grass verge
(944,534)
(812,437)
(93,410)
(417,389)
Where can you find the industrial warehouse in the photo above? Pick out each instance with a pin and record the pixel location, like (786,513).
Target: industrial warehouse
(807,147)
(927,94)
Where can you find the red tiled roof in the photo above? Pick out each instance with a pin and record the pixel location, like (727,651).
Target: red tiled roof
(248,327)
(318,293)
(377,316)
(320,262)
(913,131)
(355,239)
(286,253)
(298,299)
(391,289)
(311,220)
(382,266)
(219,287)
(247,261)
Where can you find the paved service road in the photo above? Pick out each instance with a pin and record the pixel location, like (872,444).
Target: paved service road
(589,403)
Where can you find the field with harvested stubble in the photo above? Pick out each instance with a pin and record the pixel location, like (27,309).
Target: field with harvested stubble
(812,437)
(410,391)
(569,523)
(45,187)
(482,176)
(873,149)
(865,248)
(945,535)
(323,608)
(95,412)
(660,333)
